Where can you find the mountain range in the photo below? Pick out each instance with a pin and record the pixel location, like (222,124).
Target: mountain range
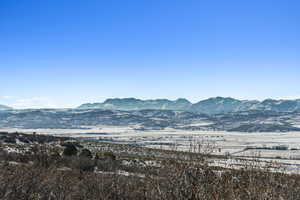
(215,105)
(217,114)
(211,106)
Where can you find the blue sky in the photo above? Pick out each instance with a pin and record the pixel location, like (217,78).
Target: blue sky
(61,53)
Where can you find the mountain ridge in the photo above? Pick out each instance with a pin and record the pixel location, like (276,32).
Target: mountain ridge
(214,105)
(138,104)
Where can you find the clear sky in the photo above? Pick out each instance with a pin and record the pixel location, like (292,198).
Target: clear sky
(61,53)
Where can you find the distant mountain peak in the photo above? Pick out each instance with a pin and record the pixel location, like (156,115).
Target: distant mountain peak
(138,104)
(120,100)
(182,100)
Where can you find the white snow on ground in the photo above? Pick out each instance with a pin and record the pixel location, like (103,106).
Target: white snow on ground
(223,143)
(12,150)
(121,172)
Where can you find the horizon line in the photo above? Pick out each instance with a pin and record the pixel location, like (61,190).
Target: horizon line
(145,99)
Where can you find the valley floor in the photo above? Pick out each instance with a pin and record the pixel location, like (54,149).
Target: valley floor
(282,148)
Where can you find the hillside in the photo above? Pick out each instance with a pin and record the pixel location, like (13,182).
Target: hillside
(47,167)
(245,121)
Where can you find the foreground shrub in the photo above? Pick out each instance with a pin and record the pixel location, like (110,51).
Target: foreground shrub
(70,150)
(44,174)
(181,182)
(86,153)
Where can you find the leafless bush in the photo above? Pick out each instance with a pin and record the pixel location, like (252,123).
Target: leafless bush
(51,176)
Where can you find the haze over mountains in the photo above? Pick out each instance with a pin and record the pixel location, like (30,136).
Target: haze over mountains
(3,107)
(215,105)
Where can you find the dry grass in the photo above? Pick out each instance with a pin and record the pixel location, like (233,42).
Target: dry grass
(46,174)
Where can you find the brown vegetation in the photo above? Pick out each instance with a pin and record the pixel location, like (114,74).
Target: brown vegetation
(46,173)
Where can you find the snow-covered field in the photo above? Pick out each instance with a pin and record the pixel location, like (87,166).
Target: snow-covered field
(233,143)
